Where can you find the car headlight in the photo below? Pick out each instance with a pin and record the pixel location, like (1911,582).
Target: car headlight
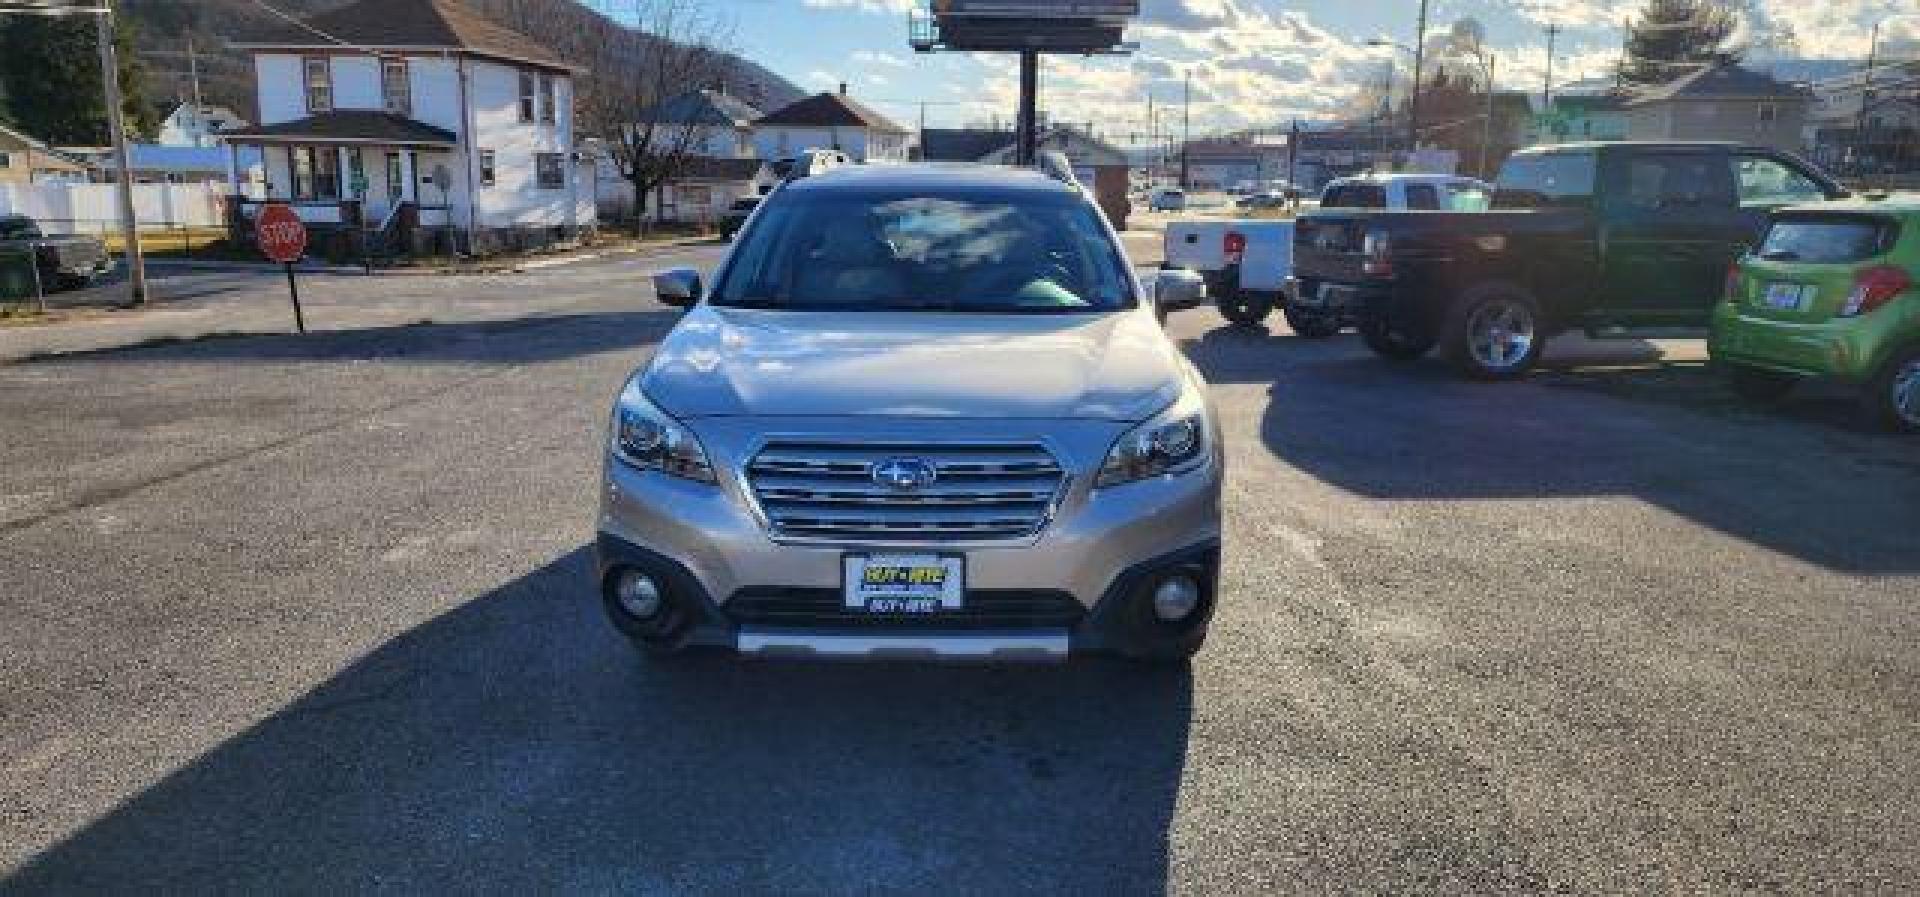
(1173,441)
(646,438)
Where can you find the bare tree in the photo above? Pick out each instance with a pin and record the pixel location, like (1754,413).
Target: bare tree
(636,98)
(639,63)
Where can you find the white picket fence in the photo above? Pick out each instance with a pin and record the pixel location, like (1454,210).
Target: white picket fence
(94,208)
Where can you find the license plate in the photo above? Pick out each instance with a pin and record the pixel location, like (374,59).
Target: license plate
(903,583)
(1789,296)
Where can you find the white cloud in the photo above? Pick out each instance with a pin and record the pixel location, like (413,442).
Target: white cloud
(899,7)
(875,57)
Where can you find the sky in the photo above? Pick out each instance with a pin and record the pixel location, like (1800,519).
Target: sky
(1253,63)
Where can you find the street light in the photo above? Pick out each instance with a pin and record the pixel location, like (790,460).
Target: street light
(110,81)
(1413,93)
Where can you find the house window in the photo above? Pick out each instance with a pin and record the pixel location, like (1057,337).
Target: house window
(316,172)
(396,92)
(528,101)
(696,196)
(356,174)
(396,178)
(6,159)
(549,171)
(1768,113)
(547,104)
(319,71)
(486,168)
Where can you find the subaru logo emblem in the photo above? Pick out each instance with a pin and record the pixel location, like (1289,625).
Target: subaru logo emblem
(905,474)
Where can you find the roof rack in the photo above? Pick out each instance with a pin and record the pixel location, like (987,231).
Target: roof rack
(1054,164)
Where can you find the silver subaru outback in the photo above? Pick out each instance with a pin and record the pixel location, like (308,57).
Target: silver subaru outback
(922,412)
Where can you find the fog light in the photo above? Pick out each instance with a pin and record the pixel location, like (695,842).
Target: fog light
(637,593)
(1176,598)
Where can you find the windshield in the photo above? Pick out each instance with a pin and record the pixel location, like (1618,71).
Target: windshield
(1029,253)
(1826,240)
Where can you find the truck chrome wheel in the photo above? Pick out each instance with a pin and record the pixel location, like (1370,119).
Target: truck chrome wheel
(1500,334)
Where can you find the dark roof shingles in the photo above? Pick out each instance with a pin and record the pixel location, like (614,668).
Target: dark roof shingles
(830,110)
(350,124)
(407,23)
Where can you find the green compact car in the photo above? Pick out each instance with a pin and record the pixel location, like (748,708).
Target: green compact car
(1832,291)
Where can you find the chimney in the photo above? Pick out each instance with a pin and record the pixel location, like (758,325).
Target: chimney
(843,88)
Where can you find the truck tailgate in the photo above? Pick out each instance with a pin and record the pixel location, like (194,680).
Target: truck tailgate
(1328,247)
(1196,245)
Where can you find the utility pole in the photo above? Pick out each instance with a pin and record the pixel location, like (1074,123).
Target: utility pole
(1486,126)
(1293,154)
(1186,125)
(1027,140)
(1546,87)
(1413,98)
(1866,97)
(129,230)
(1153,143)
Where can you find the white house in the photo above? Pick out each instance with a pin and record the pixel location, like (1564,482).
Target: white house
(419,114)
(831,121)
(191,124)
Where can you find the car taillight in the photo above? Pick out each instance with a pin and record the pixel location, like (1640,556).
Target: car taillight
(1234,244)
(1731,291)
(1875,287)
(1377,260)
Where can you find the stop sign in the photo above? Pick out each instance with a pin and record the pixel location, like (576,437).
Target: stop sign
(281,235)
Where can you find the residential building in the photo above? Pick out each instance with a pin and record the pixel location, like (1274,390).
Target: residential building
(1224,163)
(1861,127)
(25,160)
(1100,167)
(1579,117)
(1722,102)
(421,115)
(190,124)
(831,121)
(722,123)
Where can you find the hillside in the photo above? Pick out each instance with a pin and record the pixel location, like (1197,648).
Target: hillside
(165,27)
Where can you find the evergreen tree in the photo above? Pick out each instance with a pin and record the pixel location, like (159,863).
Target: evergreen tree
(50,68)
(1671,36)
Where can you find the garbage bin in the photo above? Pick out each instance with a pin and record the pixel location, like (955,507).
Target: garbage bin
(16,274)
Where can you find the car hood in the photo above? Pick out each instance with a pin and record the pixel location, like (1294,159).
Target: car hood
(733,362)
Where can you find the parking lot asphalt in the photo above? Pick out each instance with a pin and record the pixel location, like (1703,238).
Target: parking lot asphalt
(314,615)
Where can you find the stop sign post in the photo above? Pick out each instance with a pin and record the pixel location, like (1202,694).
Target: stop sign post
(283,238)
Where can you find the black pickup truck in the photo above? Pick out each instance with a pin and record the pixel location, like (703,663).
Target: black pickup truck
(1593,236)
(65,261)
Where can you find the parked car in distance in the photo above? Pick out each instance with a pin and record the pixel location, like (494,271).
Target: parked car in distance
(736,215)
(1833,290)
(924,412)
(1268,200)
(1402,192)
(64,261)
(1603,237)
(1167,199)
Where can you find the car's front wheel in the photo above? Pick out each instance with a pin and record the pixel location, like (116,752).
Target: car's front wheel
(1245,309)
(1760,384)
(1893,395)
(1494,333)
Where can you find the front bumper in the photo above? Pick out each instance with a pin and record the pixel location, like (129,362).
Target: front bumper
(1086,568)
(1850,349)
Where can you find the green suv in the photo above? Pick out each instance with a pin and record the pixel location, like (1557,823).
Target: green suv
(1830,292)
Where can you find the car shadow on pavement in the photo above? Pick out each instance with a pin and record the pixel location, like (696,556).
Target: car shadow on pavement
(521,340)
(1670,435)
(517,744)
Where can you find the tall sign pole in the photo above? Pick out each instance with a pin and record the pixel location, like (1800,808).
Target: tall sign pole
(1028,138)
(129,229)
(1546,86)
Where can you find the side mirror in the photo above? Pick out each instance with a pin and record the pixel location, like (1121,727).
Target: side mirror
(1175,289)
(679,287)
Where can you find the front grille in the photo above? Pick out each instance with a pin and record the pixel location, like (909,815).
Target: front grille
(981,609)
(825,490)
